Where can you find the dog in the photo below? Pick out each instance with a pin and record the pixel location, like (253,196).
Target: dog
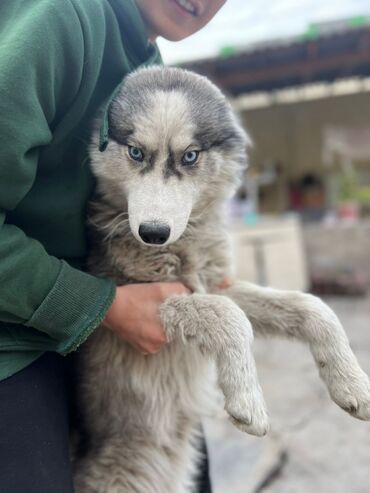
(176,154)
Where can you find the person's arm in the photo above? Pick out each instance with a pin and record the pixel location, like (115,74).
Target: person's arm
(41,68)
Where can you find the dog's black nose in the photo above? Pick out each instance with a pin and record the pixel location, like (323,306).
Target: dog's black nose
(154,233)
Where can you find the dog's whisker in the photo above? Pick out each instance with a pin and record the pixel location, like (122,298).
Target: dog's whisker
(113,231)
(112,221)
(201,214)
(102,227)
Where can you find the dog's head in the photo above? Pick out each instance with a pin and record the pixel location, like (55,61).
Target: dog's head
(175,150)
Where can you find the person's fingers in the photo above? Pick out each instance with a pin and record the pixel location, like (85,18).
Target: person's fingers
(145,348)
(183,289)
(152,339)
(168,289)
(226,283)
(151,348)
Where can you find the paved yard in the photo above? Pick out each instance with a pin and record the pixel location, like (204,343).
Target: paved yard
(313,446)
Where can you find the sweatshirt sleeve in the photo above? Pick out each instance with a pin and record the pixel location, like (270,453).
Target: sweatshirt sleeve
(41,64)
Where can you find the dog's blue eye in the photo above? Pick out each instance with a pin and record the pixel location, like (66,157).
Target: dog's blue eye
(190,157)
(135,153)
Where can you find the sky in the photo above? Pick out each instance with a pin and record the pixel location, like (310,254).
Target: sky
(243,22)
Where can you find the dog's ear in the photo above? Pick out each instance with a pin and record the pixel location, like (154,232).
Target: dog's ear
(244,139)
(248,146)
(244,145)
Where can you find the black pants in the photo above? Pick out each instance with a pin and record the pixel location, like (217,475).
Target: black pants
(34,430)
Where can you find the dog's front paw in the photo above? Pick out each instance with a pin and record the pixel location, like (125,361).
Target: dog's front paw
(348,385)
(349,388)
(248,412)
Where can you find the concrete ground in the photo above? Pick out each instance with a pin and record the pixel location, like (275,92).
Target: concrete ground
(313,446)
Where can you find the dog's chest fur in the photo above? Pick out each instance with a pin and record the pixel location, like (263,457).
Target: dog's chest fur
(200,258)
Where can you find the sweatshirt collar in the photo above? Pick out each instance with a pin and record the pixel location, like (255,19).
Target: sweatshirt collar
(133,31)
(133,34)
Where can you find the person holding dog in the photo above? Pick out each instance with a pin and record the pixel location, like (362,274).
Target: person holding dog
(59,63)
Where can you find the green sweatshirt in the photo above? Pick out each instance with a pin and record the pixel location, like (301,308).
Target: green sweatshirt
(60,60)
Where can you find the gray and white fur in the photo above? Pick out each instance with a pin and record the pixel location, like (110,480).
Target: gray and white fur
(176,153)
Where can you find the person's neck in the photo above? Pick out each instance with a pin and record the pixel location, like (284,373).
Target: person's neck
(152,36)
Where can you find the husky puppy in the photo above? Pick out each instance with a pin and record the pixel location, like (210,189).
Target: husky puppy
(175,155)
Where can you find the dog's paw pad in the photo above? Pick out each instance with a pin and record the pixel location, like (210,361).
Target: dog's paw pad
(359,410)
(247,417)
(258,426)
(359,407)
(242,420)
(351,393)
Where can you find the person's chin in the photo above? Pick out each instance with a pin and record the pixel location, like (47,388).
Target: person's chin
(175,38)
(176,34)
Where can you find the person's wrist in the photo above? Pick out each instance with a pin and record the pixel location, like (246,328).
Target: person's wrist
(113,314)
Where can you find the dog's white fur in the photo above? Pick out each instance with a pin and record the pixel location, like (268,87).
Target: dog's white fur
(141,413)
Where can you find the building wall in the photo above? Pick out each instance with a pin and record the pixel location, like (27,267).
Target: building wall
(291,135)
(339,248)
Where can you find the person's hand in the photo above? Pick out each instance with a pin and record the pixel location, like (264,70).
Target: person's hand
(134,314)
(226,283)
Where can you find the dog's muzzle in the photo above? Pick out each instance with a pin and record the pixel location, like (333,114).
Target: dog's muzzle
(154,233)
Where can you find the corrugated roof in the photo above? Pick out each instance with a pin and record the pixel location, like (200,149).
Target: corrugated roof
(326,52)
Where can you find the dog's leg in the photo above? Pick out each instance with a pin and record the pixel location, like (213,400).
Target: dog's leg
(307,318)
(222,331)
